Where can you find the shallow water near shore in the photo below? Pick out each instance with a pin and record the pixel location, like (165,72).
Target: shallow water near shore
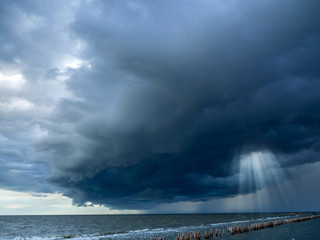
(152,226)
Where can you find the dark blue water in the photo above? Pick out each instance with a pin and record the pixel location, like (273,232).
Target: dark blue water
(151,226)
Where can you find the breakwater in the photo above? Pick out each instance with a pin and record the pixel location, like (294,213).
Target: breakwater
(237,229)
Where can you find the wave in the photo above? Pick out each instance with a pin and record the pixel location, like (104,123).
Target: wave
(147,233)
(253,220)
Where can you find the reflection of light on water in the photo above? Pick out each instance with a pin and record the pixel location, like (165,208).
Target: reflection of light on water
(262,179)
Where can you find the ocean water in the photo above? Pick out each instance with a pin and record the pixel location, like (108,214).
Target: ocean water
(151,226)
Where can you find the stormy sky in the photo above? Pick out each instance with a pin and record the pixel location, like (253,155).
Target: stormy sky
(161,106)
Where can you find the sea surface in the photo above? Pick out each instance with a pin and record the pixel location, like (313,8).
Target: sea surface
(152,226)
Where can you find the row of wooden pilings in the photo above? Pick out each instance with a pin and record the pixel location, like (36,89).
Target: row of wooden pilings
(237,229)
(269,224)
(197,235)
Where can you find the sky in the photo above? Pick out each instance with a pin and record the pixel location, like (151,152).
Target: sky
(184,106)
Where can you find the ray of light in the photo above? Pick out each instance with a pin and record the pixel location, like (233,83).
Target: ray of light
(260,173)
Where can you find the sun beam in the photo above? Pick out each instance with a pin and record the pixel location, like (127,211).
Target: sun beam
(260,173)
(258,170)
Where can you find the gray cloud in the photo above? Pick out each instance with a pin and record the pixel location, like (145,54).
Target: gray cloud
(164,93)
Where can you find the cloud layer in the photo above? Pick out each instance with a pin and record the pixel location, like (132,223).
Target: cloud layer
(136,103)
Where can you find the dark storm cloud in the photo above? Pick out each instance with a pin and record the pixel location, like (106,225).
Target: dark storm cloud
(169,90)
(174,89)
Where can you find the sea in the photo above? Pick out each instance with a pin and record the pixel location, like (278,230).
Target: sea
(153,226)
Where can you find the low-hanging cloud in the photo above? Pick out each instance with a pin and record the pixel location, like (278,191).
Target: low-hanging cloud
(166,91)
